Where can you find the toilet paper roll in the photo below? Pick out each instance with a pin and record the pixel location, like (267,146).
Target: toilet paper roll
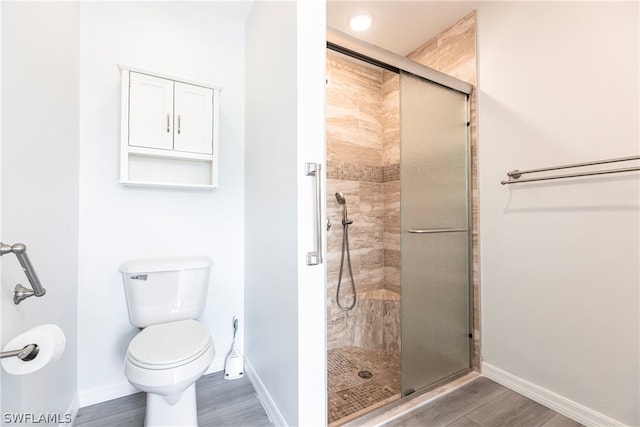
(51,342)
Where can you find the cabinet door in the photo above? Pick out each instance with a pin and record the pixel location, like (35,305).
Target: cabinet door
(193,122)
(150,111)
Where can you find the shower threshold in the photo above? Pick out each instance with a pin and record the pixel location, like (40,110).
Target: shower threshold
(393,408)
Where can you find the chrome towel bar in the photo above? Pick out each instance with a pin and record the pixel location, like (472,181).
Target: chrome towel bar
(20,292)
(514,176)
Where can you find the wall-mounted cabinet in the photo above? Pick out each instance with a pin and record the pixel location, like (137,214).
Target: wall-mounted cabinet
(169,131)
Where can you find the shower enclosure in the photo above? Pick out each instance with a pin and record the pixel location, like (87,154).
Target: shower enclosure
(398,154)
(435,239)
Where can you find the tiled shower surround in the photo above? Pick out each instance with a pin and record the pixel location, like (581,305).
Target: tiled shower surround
(363,164)
(363,156)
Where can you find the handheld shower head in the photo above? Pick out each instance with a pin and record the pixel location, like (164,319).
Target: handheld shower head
(342,201)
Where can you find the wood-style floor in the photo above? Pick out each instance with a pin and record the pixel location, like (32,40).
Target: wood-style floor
(484,403)
(220,403)
(481,402)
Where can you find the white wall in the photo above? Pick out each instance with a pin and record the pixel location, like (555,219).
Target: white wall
(271,271)
(117,222)
(559,83)
(40,66)
(284,298)
(312,292)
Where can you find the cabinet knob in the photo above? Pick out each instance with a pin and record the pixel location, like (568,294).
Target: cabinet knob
(168,123)
(178,124)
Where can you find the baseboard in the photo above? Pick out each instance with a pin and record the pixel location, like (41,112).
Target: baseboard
(106,392)
(551,400)
(74,406)
(264,397)
(216,366)
(124,388)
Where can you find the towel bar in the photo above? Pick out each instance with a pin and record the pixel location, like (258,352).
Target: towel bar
(514,176)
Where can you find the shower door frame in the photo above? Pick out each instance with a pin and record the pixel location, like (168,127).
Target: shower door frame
(351,46)
(358,49)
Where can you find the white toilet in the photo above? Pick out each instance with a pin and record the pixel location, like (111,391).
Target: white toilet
(173,350)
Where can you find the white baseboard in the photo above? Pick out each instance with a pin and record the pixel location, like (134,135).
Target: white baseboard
(124,388)
(551,400)
(216,366)
(105,392)
(74,406)
(264,397)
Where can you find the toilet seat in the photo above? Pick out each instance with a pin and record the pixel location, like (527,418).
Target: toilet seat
(168,345)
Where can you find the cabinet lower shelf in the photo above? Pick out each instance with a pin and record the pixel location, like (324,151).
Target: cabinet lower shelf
(146,170)
(168,185)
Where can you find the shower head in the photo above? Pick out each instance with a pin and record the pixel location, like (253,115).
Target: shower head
(342,201)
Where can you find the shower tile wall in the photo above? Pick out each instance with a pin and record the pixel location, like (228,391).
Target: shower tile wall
(391,190)
(454,52)
(362,135)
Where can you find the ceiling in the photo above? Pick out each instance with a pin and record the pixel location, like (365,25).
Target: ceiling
(235,10)
(399,26)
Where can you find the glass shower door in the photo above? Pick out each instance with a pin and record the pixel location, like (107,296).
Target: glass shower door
(435,238)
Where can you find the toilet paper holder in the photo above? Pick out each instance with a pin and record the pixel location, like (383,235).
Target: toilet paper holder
(20,292)
(27,353)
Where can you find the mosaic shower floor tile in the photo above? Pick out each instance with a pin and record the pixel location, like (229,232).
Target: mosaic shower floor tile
(359,378)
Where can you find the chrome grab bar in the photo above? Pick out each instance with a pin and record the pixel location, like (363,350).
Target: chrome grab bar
(20,292)
(437,230)
(27,353)
(313,169)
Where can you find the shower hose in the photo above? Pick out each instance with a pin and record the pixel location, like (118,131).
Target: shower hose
(345,248)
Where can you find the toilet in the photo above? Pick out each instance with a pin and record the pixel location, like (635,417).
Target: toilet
(173,350)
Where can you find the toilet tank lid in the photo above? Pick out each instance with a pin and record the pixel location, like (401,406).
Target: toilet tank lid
(152,265)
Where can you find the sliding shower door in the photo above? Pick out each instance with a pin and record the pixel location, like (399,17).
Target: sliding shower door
(435,237)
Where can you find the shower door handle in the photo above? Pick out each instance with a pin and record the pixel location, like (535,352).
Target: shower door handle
(313,169)
(437,230)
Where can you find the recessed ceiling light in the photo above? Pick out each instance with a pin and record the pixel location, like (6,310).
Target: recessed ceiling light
(361,21)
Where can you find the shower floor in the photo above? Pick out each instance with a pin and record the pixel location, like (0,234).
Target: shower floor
(348,393)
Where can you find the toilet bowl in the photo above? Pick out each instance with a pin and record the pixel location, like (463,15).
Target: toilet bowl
(165,361)
(173,350)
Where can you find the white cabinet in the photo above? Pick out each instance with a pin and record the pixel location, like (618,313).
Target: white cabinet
(169,131)
(150,111)
(192,118)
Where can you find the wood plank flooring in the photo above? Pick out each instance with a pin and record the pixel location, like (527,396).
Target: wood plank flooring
(482,403)
(220,402)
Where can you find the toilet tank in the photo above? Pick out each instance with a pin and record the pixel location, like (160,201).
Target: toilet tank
(160,290)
